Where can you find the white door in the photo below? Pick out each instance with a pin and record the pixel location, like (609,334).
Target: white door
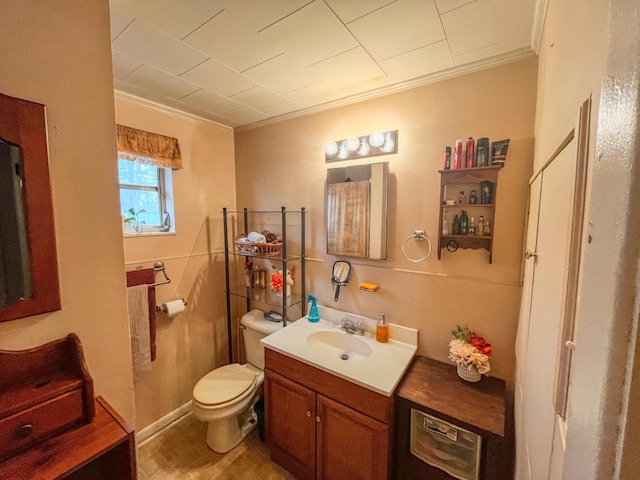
(555,219)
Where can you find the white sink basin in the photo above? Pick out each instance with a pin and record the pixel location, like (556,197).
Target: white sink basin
(373,365)
(340,344)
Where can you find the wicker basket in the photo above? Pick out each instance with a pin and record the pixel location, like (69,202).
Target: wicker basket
(252,249)
(469,373)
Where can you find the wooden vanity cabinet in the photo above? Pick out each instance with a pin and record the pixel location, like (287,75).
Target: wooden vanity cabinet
(319,426)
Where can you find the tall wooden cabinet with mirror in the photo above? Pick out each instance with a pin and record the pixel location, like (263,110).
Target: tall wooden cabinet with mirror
(452,183)
(28,260)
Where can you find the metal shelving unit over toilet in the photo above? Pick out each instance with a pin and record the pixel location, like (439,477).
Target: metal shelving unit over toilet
(266,296)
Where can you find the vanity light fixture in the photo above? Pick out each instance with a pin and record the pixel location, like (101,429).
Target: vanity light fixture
(378,143)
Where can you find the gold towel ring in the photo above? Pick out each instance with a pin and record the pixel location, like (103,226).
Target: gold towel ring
(418,235)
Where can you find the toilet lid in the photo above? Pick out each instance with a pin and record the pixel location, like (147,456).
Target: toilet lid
(223,384)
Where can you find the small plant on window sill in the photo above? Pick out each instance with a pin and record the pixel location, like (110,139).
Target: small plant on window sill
(131,218)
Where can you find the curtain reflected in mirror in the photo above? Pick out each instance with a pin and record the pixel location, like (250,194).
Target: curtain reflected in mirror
(357,210)
(15,270)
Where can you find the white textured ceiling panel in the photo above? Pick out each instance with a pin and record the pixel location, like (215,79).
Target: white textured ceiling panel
(123,65)
(269,74)
(206,100)
(337,72)
(157,49)
(310,35)
(419,62)
(228,40)
(155,80)
(445,6)
(218,78)
(349,10)
(399,27)
(486,22)
(259,14)
(261,99)
(239,62)
(175,18)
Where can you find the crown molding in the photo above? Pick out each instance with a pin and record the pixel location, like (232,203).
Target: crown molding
(539,17)
(484,64)
(170,110)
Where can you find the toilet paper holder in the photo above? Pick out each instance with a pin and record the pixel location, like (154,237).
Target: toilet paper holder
(163,308)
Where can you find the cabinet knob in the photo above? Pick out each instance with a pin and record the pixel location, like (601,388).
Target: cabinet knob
(318,419)
(24,431)
(528,254)
(309,413)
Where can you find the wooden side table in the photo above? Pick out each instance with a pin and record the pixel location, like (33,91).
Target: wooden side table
(101,450)
(435,389)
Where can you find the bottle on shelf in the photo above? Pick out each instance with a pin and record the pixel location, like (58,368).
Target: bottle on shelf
(470,153)
(248,274)
(382,330)
(464,223)
(447,158)
(457,155)
(473,197)
(456,226)
(480,226)
(445,224)
(462,198)
(472,226)
(487,228)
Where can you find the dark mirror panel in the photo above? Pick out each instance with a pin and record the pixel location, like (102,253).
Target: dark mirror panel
(15,266)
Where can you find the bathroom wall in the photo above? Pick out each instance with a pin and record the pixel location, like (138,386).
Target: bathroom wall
(195,341)
(58,54)
(283,164)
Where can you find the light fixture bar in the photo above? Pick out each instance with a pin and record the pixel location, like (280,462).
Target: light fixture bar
(378,143)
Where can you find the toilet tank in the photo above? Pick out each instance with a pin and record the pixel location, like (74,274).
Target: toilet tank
(257,327)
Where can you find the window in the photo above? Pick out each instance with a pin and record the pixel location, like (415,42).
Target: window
(145,164)
(146,191)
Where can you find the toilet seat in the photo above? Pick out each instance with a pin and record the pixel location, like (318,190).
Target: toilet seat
(224,385)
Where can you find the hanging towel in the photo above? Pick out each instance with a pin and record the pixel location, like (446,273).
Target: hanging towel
(138,301)
(147,276)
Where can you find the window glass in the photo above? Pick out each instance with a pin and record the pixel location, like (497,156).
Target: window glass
(143,189)
(135,173)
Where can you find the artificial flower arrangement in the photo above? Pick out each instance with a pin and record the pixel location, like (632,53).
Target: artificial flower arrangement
(277,279)
(470,350)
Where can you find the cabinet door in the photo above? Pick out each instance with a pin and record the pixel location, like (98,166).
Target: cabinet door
(290,424)
(351,445)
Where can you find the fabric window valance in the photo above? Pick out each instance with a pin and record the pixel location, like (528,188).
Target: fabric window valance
(148,148)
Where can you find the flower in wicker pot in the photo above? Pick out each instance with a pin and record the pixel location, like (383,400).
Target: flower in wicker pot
(470,353)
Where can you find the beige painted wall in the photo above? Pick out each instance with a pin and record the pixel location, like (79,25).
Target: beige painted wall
(194,342)
(58,54)
(283,164)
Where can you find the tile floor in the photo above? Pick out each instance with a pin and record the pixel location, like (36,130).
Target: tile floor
(180,452)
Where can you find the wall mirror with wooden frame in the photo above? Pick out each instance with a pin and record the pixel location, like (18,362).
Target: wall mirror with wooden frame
(28,260)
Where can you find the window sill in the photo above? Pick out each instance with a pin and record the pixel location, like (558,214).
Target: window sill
(146,234)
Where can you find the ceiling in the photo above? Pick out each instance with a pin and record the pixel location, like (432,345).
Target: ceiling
(242,62)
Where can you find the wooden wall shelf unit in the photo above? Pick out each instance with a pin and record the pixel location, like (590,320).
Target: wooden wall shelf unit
(101,450)
(456,180)
(435,389)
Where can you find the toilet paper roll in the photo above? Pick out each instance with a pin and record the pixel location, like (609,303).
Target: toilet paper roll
(173,308)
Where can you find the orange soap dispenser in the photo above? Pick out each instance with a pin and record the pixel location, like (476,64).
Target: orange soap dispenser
(382,330)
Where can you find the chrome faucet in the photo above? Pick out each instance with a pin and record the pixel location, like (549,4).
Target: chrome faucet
(352,327)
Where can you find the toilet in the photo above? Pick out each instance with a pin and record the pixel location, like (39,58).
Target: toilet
(225,398)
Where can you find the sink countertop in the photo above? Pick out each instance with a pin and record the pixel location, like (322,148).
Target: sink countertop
(380,372)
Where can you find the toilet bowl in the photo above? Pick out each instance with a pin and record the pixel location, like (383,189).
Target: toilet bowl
(225,397)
